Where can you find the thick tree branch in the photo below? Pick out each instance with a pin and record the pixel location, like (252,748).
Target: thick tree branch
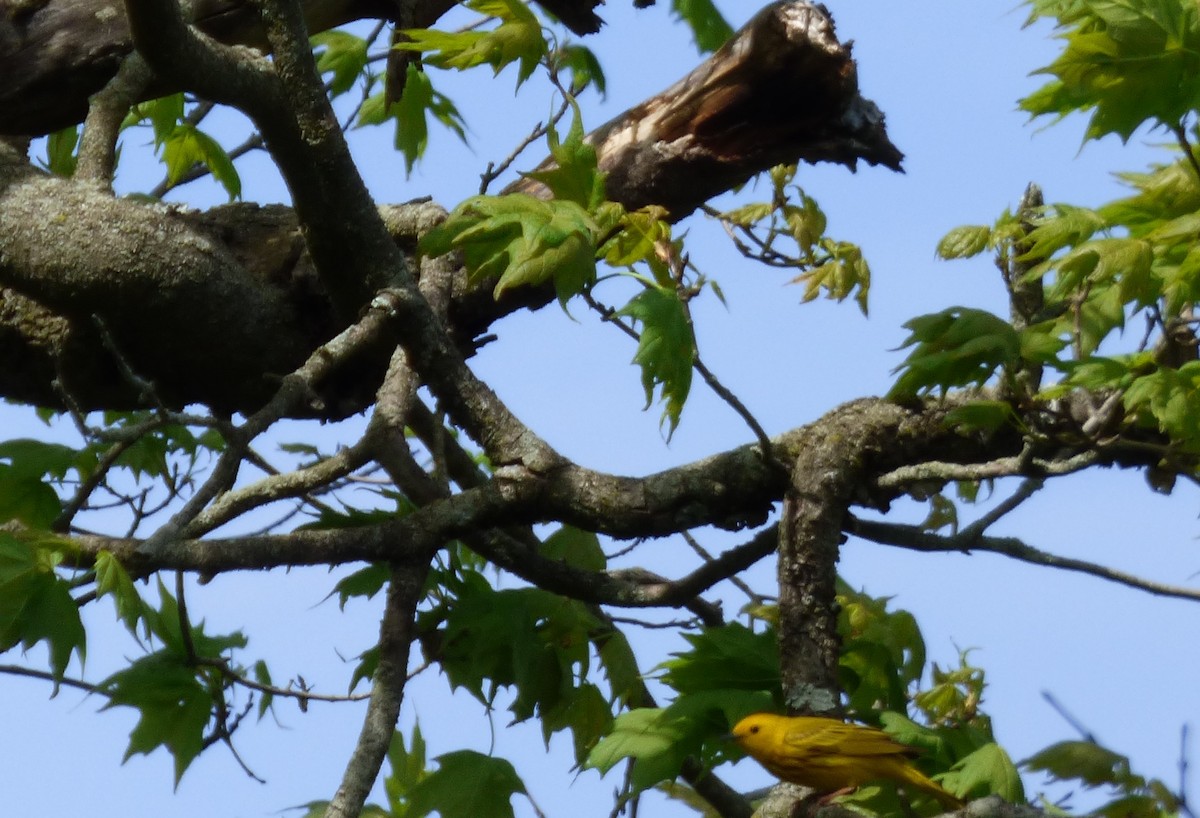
(173,299)
(783,90)
(54,54)
(37,345)
(724,490)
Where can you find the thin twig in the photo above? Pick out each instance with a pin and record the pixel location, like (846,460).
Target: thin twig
(918,539)
(79,499)
(541,129)
(1182,796)
(1027,489)
(705,555)
(1186,147)
(609,314)
(17,670)
(1086,734)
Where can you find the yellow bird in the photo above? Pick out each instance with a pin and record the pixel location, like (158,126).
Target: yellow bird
(830,755)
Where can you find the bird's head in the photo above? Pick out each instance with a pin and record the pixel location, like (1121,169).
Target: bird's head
(757,730)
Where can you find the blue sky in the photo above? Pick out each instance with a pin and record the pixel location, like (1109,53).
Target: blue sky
(948,75)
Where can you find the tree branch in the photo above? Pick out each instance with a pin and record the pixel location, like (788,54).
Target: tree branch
(918,539)
(396,633)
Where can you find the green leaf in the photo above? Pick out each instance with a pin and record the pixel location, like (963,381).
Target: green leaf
(584,66)
(1063,226)
(1133,806)
(114,581)
(666,348)
(174,706)
(651,736)
(412,112)
(467,784)
(188,146)
(709,28)
(729,657)
(61,151)
(954,694)
(956,347)
(36,604)
(407,770)
(942,514)
(750,214)
(365,582)
(165,623)
(262,675)
(575,547)
(1084,761)
(620,666)
(659,740)
(518,38)
(986,771)
(883,651)
(1169,399)
(341,54)
(520,240)
(964,242)
(575,176)
(524,638)
(1126,62)
(163,114)
(585,713)
(982,415)
(845,272)
(639,235)
(27,499)
(807,223)
(34,458)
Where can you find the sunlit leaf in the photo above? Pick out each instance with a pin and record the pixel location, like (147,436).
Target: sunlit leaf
(666,348)
(467,783)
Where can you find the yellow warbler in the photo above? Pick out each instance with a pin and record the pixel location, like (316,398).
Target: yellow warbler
(830,755)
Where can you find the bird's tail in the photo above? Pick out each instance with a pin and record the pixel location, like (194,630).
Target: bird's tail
(918,779)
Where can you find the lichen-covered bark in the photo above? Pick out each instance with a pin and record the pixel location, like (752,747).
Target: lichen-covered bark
(833,468)
(245,327)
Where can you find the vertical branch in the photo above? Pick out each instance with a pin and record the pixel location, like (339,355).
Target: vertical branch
(387,689)
(810,533)
(1026,295)
(106,111)
(829,472)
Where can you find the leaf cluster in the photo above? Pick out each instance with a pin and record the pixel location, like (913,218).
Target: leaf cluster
(1127,62)
(732,671)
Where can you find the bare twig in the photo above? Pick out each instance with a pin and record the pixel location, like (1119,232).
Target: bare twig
(1024,491)
(83,494)
(1184,145)
(1084,733)
(609,314)
(734,579)
(494,171)
(17,670)
(1182,796)
(918,539)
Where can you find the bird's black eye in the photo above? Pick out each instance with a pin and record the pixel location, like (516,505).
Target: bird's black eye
(754,729)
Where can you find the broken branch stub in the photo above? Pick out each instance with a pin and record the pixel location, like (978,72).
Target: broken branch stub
(783,89)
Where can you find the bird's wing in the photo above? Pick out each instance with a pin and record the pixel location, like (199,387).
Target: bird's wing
(826,738)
